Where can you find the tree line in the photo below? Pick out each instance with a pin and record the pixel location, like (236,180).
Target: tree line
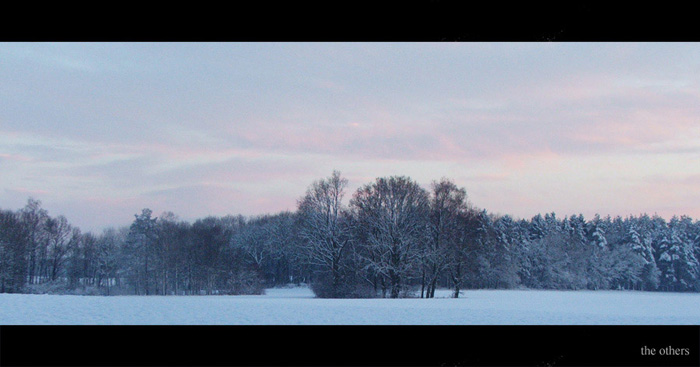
(392,238)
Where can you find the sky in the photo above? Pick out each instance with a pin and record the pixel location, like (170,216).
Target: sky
(98,131)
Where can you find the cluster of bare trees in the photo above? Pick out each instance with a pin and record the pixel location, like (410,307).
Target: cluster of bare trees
(214,255)
(393,235)
(33,246)
(153,256)
(390,238)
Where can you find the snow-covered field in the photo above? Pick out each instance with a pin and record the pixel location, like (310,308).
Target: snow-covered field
(296,306)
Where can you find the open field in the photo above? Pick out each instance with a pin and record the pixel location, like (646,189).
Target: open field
(296,306)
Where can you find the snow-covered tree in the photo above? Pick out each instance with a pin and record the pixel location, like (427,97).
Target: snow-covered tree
(461,251)
(34,218)
(596,234)
(60,237)
(506,261)
(108,245)
(393,214)
(139,251)
(447,203)
(325,232)
(677,261)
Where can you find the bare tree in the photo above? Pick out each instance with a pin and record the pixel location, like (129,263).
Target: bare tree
(392,214)
(255,239)
(447,203)
(34,218)
(324,229)
(13,250)
(60,236)
(461,251)
(108,266)
(82,260)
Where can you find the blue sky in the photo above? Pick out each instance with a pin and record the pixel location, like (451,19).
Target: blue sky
(97,131)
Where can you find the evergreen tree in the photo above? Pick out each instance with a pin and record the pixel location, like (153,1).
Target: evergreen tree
(139,251)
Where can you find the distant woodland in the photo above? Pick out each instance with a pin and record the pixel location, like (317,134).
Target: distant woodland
(393,239)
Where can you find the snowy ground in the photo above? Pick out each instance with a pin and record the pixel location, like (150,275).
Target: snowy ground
(296,306)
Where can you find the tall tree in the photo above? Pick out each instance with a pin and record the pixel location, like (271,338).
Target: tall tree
(108,267)
(34,218)
(325,232)
(393,213)
(140,244)
(447,203)
(211,238)
(461,251)
(13,252)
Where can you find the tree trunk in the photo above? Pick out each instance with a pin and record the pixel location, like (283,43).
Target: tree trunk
(433,285)
(336,280)
(457,280)
(383,288)
(395,281)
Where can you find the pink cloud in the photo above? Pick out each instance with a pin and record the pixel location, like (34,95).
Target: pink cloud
(27,192)
(15,157)
(494,177)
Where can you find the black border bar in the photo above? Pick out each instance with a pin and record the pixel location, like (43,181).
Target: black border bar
(357,21)
(390,346)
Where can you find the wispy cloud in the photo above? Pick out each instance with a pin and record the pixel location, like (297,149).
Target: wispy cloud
(223,128)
